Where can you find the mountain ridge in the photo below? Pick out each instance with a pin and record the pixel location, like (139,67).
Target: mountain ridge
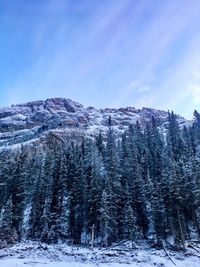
(24,122)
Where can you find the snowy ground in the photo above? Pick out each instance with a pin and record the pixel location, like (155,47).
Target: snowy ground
(40,255)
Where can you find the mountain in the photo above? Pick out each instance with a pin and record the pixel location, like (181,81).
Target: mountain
(65,118)
(88,176)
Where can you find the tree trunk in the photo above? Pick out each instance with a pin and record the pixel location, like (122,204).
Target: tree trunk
(180,227)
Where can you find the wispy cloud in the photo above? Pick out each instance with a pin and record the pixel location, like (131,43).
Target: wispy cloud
(194,90)
(90,51)
(197,74)
(144,88)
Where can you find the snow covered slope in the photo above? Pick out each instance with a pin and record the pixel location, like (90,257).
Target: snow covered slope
(42,255)
(64,117)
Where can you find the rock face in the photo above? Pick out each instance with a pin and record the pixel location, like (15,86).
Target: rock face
(64,118)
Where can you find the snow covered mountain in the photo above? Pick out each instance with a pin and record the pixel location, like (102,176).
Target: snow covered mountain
(64,118)
(56,184)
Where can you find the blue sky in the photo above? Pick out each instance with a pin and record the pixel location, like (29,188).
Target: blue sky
(108,53)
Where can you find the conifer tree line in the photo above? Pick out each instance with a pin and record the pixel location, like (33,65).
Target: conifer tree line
(142,185)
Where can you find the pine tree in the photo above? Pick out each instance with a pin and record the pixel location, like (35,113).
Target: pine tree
(7,233)
(130,225)
(112,181)
(106,219)
(154,185)
(137,175)
(94,189)
(76,196)
(41,191)
(18,192)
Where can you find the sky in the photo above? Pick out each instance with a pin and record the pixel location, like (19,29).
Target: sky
(108,53)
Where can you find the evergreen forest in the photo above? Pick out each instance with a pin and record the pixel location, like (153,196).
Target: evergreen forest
(142,184)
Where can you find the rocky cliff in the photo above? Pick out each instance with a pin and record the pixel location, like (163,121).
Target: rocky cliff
(36,121)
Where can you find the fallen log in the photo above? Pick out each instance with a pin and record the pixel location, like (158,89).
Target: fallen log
(169,255)
(191,246)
